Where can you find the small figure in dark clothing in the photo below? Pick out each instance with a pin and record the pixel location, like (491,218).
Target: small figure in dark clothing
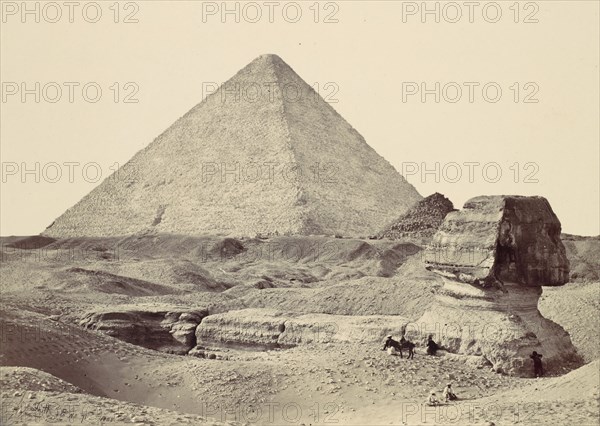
(408,345)
(432,347)
(538,369)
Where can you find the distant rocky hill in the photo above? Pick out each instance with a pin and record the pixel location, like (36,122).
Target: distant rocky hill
(584,257)
(421,220)
(263,155)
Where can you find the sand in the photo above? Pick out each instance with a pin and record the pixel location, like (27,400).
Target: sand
(55,371)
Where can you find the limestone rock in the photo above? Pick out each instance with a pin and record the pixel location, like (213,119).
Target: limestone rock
(501,238)
(269,328)
(503,327)
(249,327)
(154,328)
(494,256)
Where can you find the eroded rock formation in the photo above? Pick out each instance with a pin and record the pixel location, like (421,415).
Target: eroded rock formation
(494,257)
(268,328)
(165,329)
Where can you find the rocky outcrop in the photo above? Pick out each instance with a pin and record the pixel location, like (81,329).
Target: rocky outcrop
(421,221)
(31,243)
(494,256)
(583,254)
(165,329)
(269,329)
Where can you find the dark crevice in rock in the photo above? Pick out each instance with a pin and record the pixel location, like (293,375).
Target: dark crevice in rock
(161,330)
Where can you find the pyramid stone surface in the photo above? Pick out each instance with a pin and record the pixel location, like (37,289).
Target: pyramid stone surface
(421,220)
(264,154)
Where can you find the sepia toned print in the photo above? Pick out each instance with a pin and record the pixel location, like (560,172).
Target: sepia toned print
(299,212)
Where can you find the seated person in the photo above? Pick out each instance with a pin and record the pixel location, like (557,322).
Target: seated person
(432,347)
(432,400)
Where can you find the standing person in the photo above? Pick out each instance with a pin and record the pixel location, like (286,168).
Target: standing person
(449,394)
(538,369)
(432,347)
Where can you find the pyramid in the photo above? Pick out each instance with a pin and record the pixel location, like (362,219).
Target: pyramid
(264,154)
(421,220)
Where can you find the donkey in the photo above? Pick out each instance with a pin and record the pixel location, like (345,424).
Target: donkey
(406,344)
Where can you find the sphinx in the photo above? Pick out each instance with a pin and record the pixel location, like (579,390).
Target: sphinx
(494,256)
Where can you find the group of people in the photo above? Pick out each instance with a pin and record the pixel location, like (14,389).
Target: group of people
(447,395)
(394,345)
(432,347)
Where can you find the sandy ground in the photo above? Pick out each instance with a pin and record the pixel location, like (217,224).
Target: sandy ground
(576,307)
(53,371)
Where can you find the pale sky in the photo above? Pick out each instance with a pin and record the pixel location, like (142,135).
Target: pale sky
(370,57)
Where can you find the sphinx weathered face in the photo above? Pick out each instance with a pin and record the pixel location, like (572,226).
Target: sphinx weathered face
(509,239)
(529,250)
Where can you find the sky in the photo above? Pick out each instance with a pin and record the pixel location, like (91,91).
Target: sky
(500,98)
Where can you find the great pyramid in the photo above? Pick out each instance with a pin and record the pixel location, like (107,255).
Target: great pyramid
(264,154)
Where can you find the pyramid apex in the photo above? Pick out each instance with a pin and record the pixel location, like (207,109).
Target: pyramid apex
(269,57)
(271,64)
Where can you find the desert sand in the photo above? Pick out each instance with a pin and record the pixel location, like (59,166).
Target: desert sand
(54,370)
